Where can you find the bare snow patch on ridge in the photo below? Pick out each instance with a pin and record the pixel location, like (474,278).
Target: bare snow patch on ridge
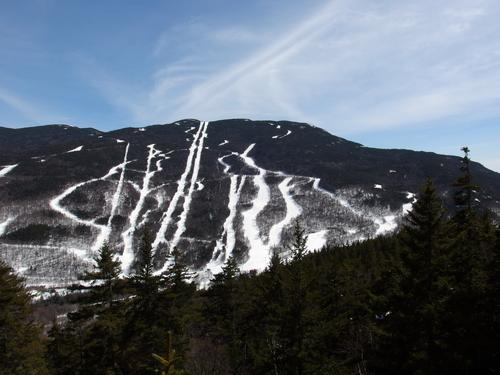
(77,149)
(6,169)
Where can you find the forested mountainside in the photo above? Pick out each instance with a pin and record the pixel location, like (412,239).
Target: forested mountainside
(210,190)
(424,300)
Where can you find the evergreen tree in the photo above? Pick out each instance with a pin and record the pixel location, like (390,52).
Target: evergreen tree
(21,350)
(464,189)
(147,319)
(415,310)
(295,285)
(105,276)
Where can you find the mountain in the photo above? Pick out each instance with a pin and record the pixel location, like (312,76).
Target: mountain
(209,189)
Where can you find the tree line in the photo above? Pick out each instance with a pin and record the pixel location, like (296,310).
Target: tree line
(425,300)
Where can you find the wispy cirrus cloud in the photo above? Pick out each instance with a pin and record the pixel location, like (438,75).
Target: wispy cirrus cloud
(29,111)
(365,65)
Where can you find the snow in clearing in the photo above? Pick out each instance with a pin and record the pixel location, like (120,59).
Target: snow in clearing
(316,240)
(224,143)
(77,149)
(386,224)
(190,129)
(407,207)
(199,186)
(377,186)
(258,254)
(181,183)
(392,171)
(181,224)
(128,235)
(6,169)
(3,225)
(142,129)
(120,141)
(293,210)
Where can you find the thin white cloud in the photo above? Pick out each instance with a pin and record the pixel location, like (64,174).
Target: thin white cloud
(348,66)
(25,108)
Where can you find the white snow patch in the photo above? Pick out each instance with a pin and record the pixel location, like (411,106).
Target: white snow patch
(407,207)
(120,141)
(142,129)
(4,224)
(77,149)
(316,240)
(6,169)
(386,224)
(377,186)
(392,171)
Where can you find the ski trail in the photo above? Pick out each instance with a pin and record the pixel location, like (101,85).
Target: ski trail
(181,225)
(7,169)
(181,183)
(117,194)
(55,204)
(128,236)
(258,254)
(293,210)
(223,250)
(221,161)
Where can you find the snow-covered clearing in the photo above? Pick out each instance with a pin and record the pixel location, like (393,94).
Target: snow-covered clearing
(407,207)
(316,240)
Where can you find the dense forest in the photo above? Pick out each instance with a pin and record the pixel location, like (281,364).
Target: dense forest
(425,300)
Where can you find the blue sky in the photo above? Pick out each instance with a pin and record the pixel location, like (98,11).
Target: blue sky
(423,75)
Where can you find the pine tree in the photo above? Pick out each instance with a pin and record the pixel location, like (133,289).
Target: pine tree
(21,350)
(415,310)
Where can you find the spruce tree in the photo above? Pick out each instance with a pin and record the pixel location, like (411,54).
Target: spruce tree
(21,350)
(415,310)
(296,283)
(105,277)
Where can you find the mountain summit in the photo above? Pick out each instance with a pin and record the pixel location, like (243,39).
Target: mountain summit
(209,189)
